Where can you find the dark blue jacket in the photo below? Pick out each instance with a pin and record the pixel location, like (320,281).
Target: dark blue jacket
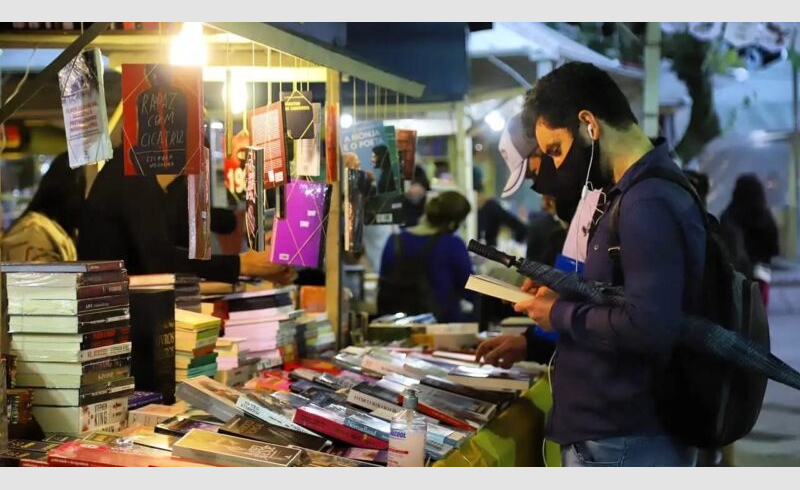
(606,356)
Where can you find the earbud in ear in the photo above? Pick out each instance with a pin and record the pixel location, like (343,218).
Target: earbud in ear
(591,130)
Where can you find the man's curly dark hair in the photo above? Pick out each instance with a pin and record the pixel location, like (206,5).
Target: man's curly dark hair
(560,95)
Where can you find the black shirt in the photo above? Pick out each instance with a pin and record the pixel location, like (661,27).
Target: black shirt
(126,218)
(491,216)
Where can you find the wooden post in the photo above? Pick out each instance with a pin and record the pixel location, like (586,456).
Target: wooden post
(333,237)
(652,65)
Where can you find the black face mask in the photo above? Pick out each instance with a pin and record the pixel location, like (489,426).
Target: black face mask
(566,182)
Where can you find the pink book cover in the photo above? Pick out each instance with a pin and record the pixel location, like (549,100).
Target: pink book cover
(298,238)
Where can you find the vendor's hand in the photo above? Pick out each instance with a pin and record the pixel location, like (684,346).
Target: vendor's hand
(538,308)
(502,351)
(258,264)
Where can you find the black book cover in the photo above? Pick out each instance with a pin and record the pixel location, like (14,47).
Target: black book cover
(260,302)
(384,209)
(299,114)
(153,337)
(104,391)
(378,392)
(272,434)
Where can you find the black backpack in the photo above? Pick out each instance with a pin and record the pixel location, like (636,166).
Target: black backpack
(406,288)
(702,401)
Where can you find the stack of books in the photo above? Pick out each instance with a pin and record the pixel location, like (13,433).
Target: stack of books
(260,317)
(234,367)
(195,339)
(70,327)
(318,338)
(187,292)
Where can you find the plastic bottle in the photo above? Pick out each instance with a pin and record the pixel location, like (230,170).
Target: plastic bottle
(408,432)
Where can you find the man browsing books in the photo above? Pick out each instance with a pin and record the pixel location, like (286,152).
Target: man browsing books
(607,357)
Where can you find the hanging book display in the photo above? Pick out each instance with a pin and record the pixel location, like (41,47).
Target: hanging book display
(407,149)
(267,132)
(162,131)
(83,100)
(308,150)
(235,173)
(299,115)
(372,147)
(254,198)
(356,187)
(200,211)
(298,239)
(332,141)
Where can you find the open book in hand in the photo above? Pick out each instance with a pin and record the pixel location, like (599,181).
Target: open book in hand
(490,286)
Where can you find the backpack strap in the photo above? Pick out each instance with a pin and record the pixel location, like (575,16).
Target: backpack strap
(614,243)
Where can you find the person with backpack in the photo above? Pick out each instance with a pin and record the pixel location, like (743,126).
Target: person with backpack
(424,268)
(607,403)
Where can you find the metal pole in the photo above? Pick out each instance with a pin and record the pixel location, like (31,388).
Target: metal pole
(652,64)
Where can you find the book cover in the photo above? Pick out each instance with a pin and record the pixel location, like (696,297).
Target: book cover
(332,141)
(32,446)
(308,154)
(199,190)
(299,115)
(21,305)
(85,395)
(359,142)
(499,398)
(254,198)
(162,127)
(332,425)
(317,459)
(64,279)
(60,355)
(489,378)
(89,453)
(267,132)
(83,323)
(45,269)
(298,239)
(210,396)
(384,209)
(356,189)
(220,449)
(273,434)
(139,399)
(68,293)
(181,425)
(369,425)
(407,148)
(153,327)
(83,101)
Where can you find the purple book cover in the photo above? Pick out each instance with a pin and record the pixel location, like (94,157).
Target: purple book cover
(297,239)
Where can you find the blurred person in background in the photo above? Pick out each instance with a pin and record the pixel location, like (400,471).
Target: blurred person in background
(750,232)
(492,216)
(546,233)
(416,196)
(46,230)
(424,268)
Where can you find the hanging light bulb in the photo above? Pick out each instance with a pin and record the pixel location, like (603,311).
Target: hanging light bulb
(346,120)
(189,46)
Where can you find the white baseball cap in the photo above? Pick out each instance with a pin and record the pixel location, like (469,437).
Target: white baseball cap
(516,147)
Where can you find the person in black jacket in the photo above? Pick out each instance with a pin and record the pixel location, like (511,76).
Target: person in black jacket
(126,218)
(491,215)
(750,232)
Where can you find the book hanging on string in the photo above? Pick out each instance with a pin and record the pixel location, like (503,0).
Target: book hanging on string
(267,132)
(299,114)
(162,130)
(332,141)
(200,211)
(298,239)
(385,203)
(308,150)
(83,101)
(356,187)
(407,149)
(254,197)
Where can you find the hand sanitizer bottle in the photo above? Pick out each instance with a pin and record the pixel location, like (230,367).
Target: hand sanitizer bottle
(408,432)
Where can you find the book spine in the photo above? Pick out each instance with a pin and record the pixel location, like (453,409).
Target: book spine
(444,417)
(105,266)
(103,352)
(103,338)
(103,303)
(262,413)
(100,290)
(370,402)
(366,429)
(338,431)
(97,278)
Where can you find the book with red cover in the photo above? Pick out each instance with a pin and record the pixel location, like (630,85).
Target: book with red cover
(332,425)
(407,147)
(162,129)
(332,141)
(267,130)
(89,453)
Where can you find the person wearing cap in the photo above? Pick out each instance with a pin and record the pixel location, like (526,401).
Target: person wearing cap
(605,411)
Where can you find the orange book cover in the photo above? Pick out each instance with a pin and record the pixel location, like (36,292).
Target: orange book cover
(162,126)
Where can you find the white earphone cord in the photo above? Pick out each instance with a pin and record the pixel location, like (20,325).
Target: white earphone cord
(584,191)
